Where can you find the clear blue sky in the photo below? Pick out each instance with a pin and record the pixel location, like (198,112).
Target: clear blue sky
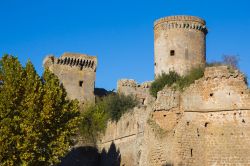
(119,32)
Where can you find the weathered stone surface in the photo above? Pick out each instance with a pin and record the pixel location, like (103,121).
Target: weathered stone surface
(180,44)
(188,128)
(76,72)
(220,89)
(208,124)
(131,87)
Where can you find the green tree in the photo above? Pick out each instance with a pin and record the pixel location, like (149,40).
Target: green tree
(36,120)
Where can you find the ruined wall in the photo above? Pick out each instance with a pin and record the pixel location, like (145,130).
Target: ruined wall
(198,128)
(218,138)
(128,133)
(179,44)
(140,91)
(126,136)
(221,88)
(77,73)
(189,128)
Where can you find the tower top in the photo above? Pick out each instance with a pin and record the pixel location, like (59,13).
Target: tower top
(180,44)
(183,21)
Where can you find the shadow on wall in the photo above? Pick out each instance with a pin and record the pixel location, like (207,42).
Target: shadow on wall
(89,156)
(81,156)
(112,157)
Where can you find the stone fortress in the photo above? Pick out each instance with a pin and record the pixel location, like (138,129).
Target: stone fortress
(77,72)
(207,124)
(180,44)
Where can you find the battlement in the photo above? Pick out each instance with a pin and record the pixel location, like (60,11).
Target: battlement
(180,18)
(76,72)
(81,61)
(185,22)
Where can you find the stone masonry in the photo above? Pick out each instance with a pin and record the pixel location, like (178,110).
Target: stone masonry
(180,44)
(206,124)
(76,72)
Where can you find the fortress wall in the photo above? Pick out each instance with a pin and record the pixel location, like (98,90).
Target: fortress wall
(220,89)
(167,99)
(211,138)
(127,135)
(140,91)
(187,128)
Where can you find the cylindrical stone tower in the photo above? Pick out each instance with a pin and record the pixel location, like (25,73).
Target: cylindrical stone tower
(179,44)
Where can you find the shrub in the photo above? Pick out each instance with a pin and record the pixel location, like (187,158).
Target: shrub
(175,81)
(212,64)
(93,122)
(163,80)
(187,80)
(118,104)
(110,107)
(231,60)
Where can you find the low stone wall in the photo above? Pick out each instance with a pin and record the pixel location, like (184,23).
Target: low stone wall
(140,91)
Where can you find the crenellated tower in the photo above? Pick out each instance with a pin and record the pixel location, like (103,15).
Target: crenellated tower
(179,44)
(77,72)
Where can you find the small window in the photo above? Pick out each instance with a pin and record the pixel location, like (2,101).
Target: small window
(172,52)
(80,83)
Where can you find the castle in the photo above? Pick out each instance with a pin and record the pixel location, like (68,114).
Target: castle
(76,72)
(207,124)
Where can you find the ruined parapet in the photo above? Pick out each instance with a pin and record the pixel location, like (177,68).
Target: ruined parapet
(131,87)
(167,99)
(180,44)
(77,72)
(222,88)
(166,109)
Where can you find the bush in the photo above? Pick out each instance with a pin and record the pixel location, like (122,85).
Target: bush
(212,64)
(187,80)
(175,81)
(93,122)
(110,107)
(162,81)
(118,104)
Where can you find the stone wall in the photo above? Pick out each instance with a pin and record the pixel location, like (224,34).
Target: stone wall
(127,136)
(187,128)
(217,138)
(140,91)
(221,88)
(76,72)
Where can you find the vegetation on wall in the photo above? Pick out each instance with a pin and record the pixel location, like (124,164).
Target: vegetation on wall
(159,132)
(172,79)
(231,61)
(95,116)
(36,119)
(161,81)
